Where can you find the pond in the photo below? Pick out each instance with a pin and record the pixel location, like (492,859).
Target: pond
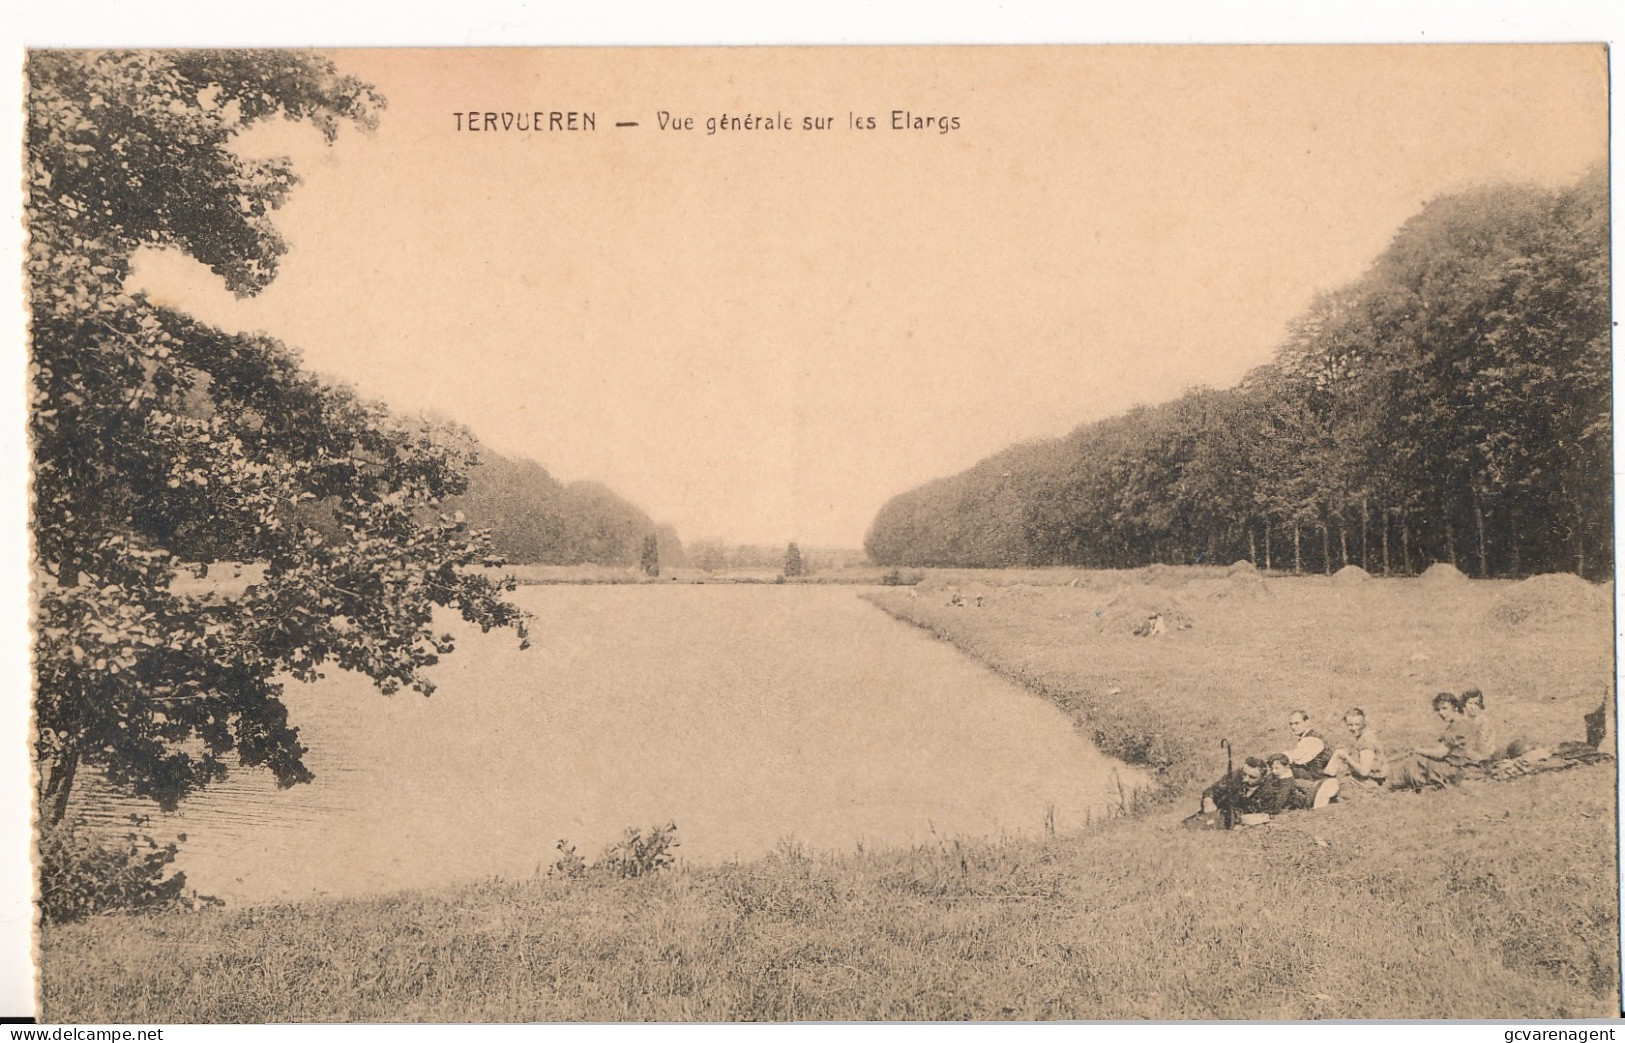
(747,715)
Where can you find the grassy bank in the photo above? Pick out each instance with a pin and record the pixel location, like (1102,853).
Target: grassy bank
(1490,900)
(1476,903)
(1239,652)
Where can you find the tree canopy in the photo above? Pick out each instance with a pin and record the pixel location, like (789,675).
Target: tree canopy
(163,444)
(535,519)
(1451,405)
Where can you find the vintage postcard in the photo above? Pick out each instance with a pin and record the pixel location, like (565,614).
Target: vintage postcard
(822,534)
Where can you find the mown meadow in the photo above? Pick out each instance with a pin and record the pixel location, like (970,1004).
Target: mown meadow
(1493,900)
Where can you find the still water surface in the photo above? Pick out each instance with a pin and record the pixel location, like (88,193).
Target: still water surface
(747,715)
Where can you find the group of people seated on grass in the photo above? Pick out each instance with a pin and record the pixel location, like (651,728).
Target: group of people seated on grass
(1314,771)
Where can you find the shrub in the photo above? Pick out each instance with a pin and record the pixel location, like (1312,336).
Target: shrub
(639,854)
(81,874)
(635,854)
(570,864)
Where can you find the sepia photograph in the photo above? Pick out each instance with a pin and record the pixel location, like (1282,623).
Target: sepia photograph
(821,534)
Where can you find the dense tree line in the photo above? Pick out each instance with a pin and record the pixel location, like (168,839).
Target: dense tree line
(535,519)
(1452,405)
(717,556)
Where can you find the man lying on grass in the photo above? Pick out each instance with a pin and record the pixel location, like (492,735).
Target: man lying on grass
(1259,790)
(1289,792)
(1237,794)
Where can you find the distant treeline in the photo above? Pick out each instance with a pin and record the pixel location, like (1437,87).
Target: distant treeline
(716,556)
(535,519)
(1452,405)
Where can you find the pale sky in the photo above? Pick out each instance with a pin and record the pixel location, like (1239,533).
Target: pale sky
(762,336)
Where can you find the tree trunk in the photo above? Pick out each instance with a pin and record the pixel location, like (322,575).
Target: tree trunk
(1512,536)
(1252,546)
(1297,546)
(1343,545)
(1405,541)
(1385,541)
(1579,538)
(1483,557)
(61,786)
(1326,547)
(1268,564)
(1365,533)
(1450,543)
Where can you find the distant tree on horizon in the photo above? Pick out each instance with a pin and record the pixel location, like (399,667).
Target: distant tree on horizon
(792,561)
(650,562)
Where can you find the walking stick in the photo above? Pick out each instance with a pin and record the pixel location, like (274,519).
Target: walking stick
(1227,814)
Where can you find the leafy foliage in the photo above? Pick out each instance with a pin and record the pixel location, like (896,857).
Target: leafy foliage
(82,874)
(535,519)
(1451,405)
(639,853)
(636,854)
(570,864)
(160,441)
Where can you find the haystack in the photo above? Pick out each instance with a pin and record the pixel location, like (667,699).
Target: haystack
(1141,610)
(1173,577)
(1240,584)
(1353,574)
(1159,574)
(1441,573)
(1242,568)
(1558,600)
(1095,579)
